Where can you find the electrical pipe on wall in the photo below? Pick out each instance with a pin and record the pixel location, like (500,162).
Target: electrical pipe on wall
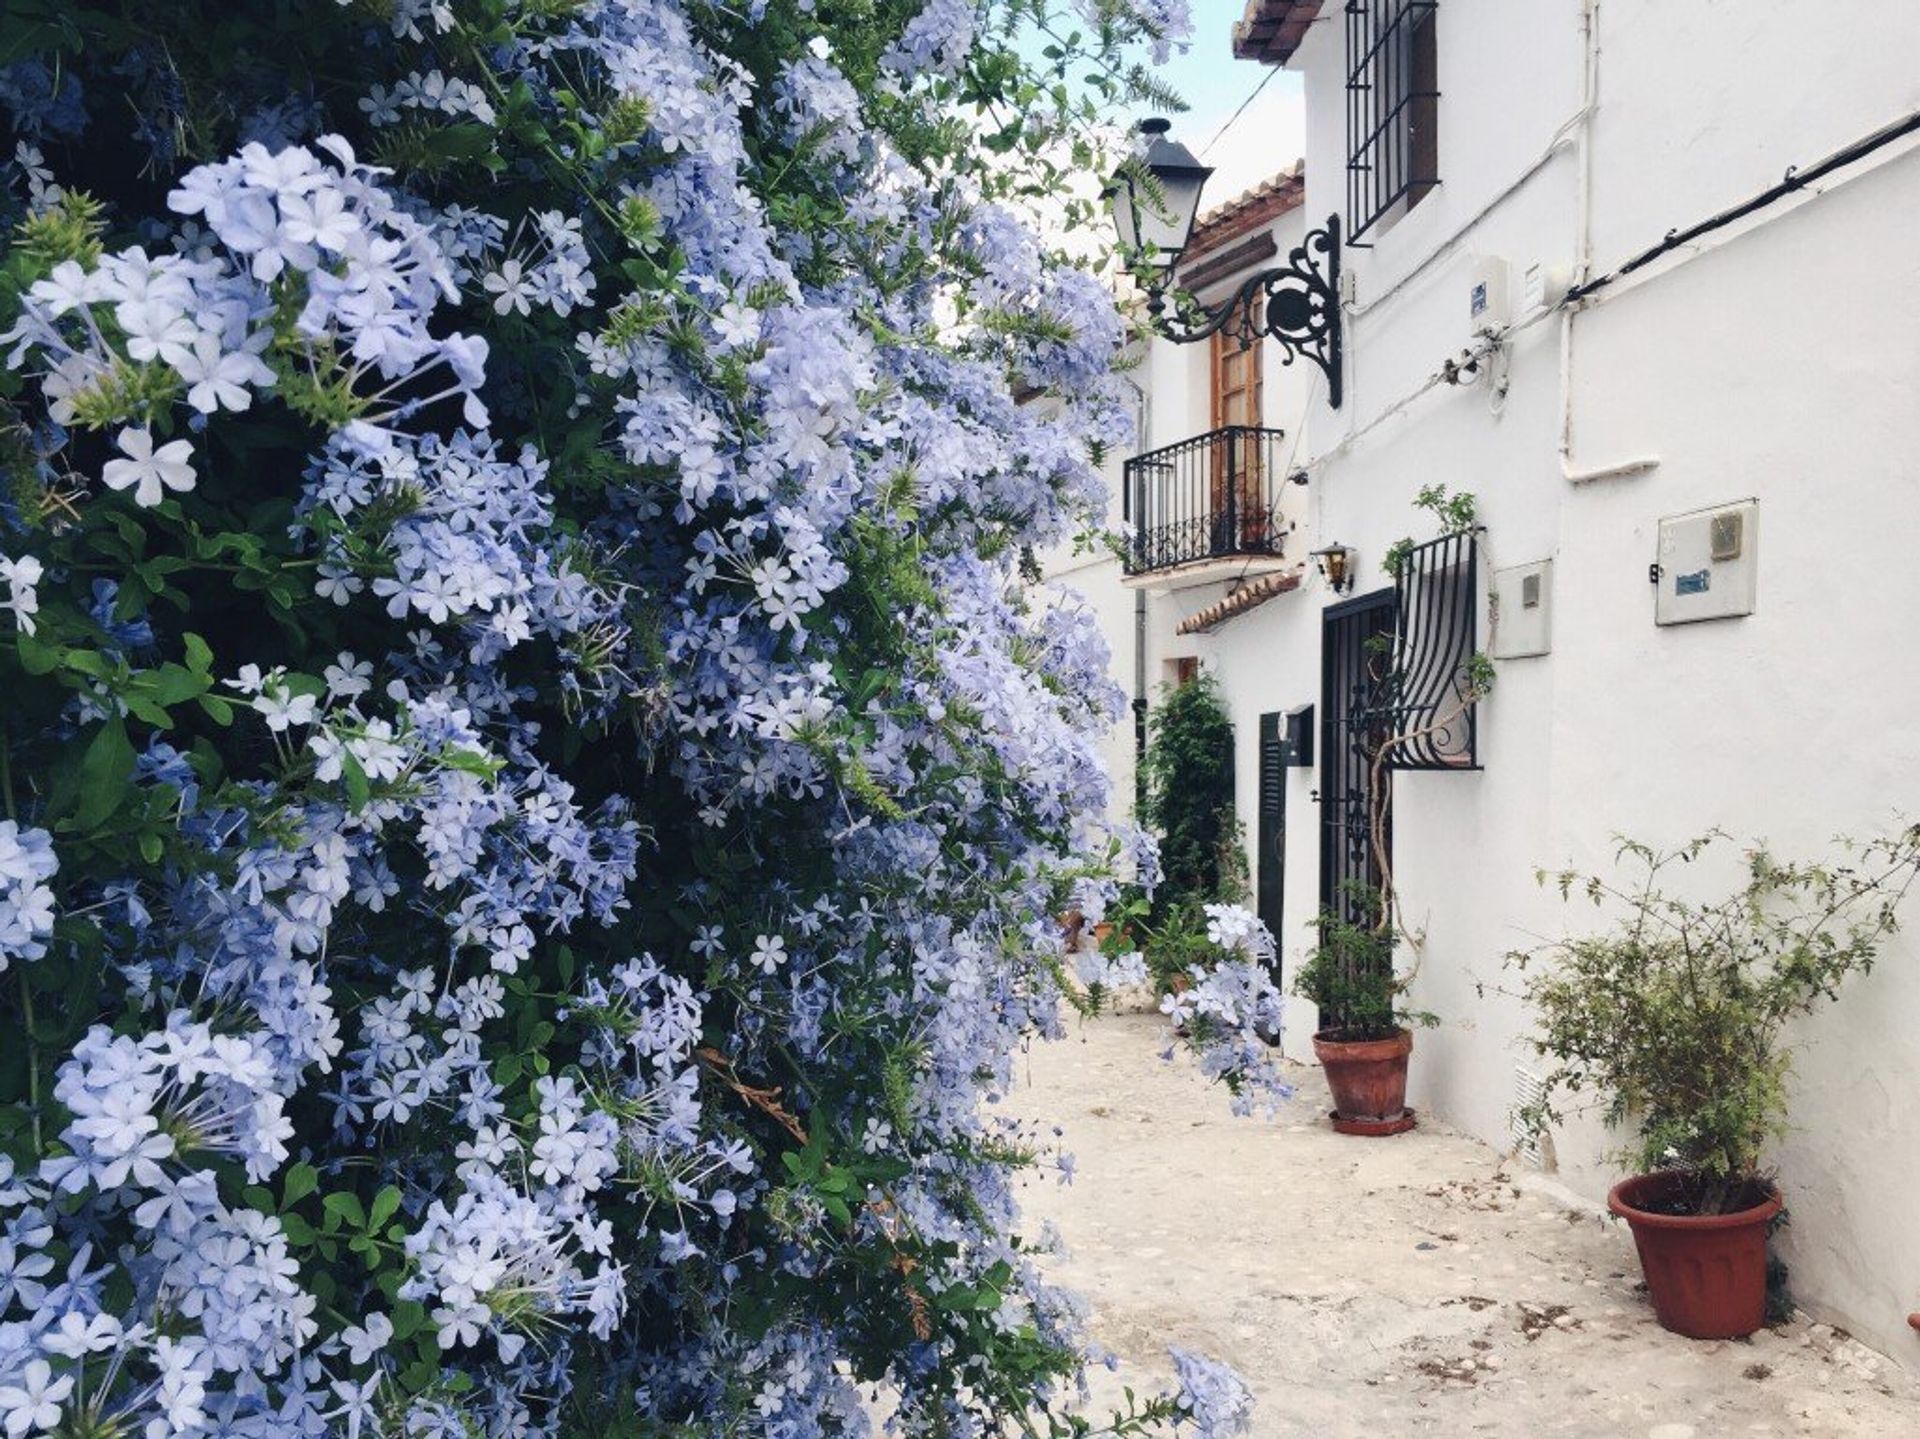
(1583,261)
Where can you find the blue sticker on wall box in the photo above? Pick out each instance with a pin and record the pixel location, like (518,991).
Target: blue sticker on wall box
(1693,584)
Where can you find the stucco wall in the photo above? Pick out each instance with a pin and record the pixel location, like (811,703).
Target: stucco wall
(1778,360)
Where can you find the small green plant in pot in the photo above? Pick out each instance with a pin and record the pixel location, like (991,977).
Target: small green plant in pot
(1365,1038)
(1672,1023)
(1179,946)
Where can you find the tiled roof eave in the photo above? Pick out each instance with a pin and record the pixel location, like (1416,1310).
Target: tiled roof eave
(1269,31)
(1241,600)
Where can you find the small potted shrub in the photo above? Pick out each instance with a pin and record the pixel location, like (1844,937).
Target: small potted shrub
(1178,947)
(1366,1030)
(1672,1022)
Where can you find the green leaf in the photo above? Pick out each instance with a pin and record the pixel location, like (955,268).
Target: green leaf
(90,663)
(142,708)
(302,1179)
(173,684)
(359,791)
(408,1316)
(347,1206)
(37,657)
(104,771)
(385,1204)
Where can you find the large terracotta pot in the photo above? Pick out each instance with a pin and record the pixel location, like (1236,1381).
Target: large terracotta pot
(1368,1078)
(1707,1273)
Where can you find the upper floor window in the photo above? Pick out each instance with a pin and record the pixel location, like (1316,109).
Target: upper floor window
(1393,93)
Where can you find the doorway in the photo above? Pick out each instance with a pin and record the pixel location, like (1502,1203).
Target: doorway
(1355,655)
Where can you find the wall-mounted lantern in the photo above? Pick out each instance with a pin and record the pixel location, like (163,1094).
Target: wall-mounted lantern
(1296,304)
(1336,566)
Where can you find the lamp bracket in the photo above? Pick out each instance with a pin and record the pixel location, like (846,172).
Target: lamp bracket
(1297,304)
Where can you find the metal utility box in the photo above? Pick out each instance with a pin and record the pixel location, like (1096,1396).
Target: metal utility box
(1523,606)
(1487,296)
(1708,564)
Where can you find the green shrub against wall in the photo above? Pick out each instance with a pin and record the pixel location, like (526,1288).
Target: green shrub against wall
(1188,797)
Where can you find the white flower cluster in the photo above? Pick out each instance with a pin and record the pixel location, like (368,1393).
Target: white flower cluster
(371,277)
(27,862)
(22,575)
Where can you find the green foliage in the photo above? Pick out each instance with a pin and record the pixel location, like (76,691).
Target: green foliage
(1176,945)
(1351,976)
(1454,514)
(1672,1020)
(1187,774)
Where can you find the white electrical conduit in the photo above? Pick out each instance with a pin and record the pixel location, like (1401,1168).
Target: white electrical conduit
(1583,262)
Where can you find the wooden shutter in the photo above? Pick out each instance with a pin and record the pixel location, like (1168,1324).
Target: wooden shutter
(1270,870)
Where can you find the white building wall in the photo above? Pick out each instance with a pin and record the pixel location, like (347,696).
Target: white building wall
(1779,359)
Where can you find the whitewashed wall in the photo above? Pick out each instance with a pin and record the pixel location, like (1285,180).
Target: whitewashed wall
(1778,360)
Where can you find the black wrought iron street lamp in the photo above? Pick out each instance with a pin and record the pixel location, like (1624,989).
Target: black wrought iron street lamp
(1296,304)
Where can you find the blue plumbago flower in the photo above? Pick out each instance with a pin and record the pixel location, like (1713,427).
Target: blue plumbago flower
(1232,1011)
(937,39)
(574,781)
(1212,1397)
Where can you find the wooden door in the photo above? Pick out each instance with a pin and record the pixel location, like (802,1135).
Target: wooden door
(1240,520)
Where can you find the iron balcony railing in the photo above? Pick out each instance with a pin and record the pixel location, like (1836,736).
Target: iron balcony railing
(1211,497)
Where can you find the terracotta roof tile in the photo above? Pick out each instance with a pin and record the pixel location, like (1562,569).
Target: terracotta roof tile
(1271,30)
(1249,211)
(1241,600)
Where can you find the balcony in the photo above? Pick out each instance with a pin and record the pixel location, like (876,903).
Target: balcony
(1205,508)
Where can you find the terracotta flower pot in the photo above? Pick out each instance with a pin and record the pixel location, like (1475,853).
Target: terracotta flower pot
(1368,1078)
(1707,1273)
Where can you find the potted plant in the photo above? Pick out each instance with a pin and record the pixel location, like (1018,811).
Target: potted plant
(1673,1022)
(1365,1039)
(1179,946)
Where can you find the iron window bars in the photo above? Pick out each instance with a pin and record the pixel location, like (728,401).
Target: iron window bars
(1213,496)
(1392,90)
(1423,696)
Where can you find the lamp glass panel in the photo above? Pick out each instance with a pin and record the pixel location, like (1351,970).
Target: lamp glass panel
(1166,225)
(1125,223)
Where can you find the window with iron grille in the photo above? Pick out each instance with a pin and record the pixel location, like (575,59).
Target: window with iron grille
(1426,699)
(1393,92)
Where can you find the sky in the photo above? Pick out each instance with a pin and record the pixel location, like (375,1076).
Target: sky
(1267,138)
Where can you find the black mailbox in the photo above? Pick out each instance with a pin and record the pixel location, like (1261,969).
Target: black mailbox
(1299,737)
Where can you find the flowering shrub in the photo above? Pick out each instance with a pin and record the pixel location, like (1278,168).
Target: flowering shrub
(529,790)
(1231,1009)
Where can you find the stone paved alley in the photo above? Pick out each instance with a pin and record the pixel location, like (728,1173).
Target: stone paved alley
(1406,1286)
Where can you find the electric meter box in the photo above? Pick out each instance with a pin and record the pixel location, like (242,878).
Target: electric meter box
(1489,300)
(1708,565)
(1523,610)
